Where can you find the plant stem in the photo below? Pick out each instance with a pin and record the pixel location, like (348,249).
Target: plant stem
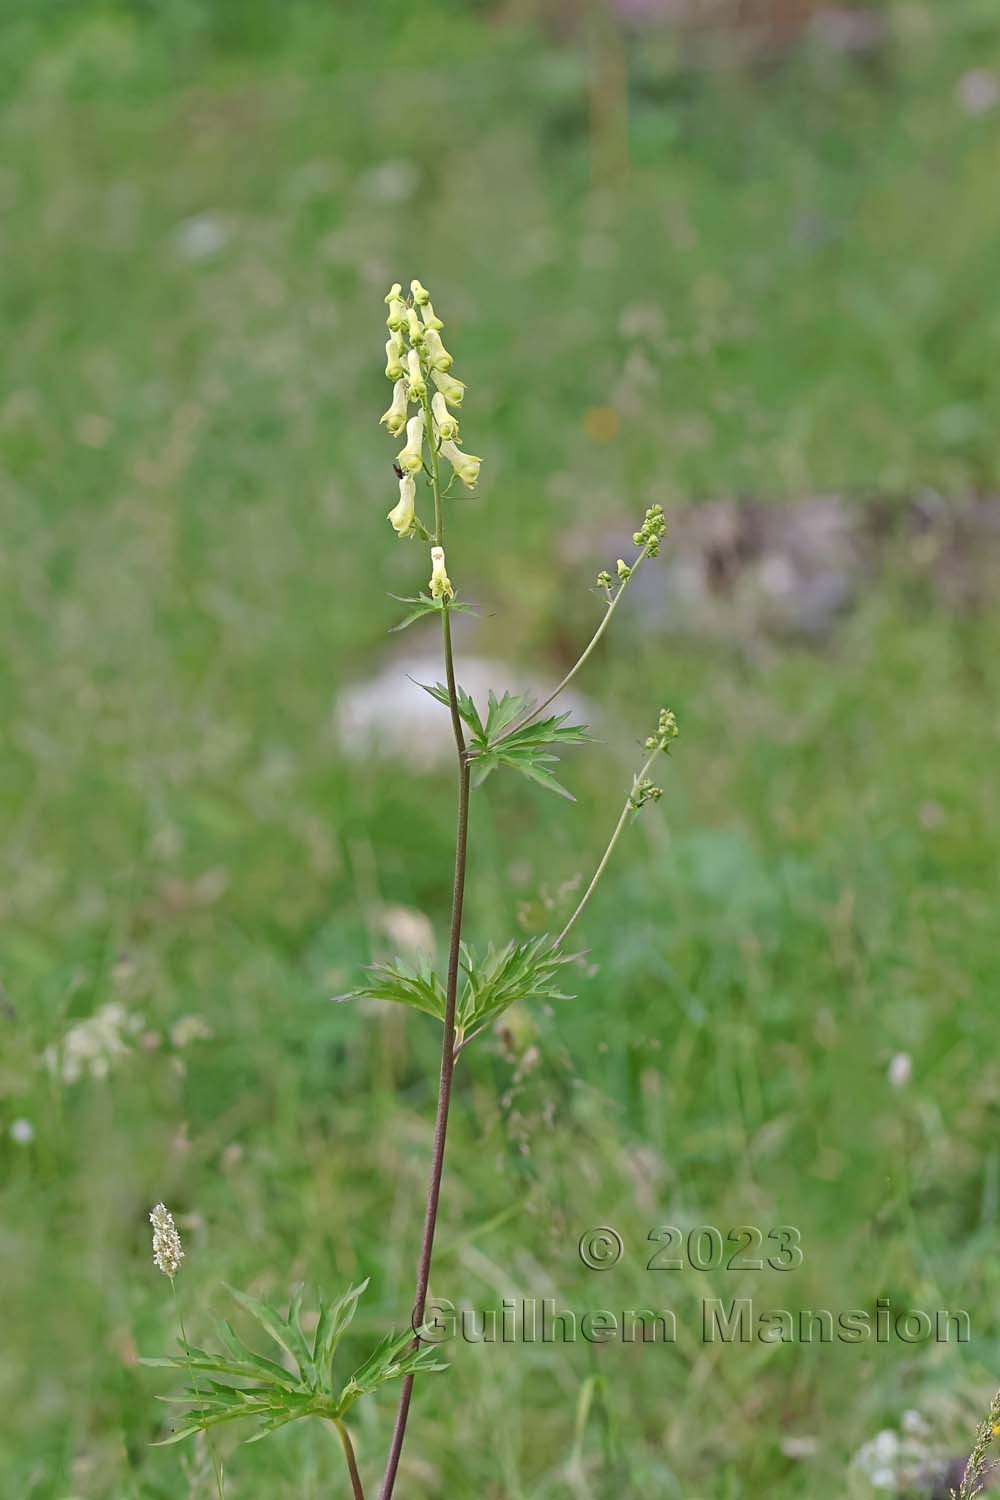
(533,714)
(451,994)
(216,1465)
(352,1463)
(619,829)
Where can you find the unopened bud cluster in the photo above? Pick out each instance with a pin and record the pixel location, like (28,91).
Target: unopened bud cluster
(419,365)
(644,791)
(666,731)
(648,537)
(651,532)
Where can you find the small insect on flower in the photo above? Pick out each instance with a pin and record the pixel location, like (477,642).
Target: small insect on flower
(167,1250)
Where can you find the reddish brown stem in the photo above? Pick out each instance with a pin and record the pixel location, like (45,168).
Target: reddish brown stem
(447,1064)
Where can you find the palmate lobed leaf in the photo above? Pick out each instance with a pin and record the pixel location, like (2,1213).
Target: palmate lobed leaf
(496,743)
(502,712)
(527,750)
(334,1318)
(467,710)
(272,1396)
(521,971)
(418,987)
(494,981)
(423,605)
(531,763)
(391,1359)
(284,1331)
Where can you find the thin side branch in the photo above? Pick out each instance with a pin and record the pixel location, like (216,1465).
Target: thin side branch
(352,1463)
(629,807)
(583,659)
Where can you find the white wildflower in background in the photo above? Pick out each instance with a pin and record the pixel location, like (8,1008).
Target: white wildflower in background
(900,1070)
(22,1132)
(167,1250)
(897,1460)
(93,1046)
(188,1029)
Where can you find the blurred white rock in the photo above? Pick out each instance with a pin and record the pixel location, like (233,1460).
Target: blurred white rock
(390,715)
(978,91)
(393,181)
(200,237)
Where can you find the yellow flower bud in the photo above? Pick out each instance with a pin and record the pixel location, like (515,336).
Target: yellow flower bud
(440,582)
(402,517)
(415,376)
(397,315)
(466,465)
(394,356)
(395,291)
(451,389)
(430,318)
(394,416)
(437,355)
(445,424)
(411,458)
(420,293)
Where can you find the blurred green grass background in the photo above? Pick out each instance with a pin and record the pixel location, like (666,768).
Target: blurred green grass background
(770,276)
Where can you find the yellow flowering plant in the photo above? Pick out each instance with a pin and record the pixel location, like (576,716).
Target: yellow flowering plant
(508,733)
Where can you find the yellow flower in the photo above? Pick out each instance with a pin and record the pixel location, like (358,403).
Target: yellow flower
(394,356)
(411,458)
(437,355)
(445,424)
(394,416)
(397,313)
(415,376)
(466,465)
(421,295)
(431,320)
(451,389)
(402,517)
(440,582)
(414,327)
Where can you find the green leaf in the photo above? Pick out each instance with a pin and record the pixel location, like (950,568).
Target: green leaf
(528,749)
(418,987)
(391,1359)
(423,604)
(466,708)
(334,1318)
(521,971)
(285,1331)
(273,1397)
(503,712)
(258,1364)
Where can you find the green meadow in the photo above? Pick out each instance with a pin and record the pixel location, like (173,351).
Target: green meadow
(720,279)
